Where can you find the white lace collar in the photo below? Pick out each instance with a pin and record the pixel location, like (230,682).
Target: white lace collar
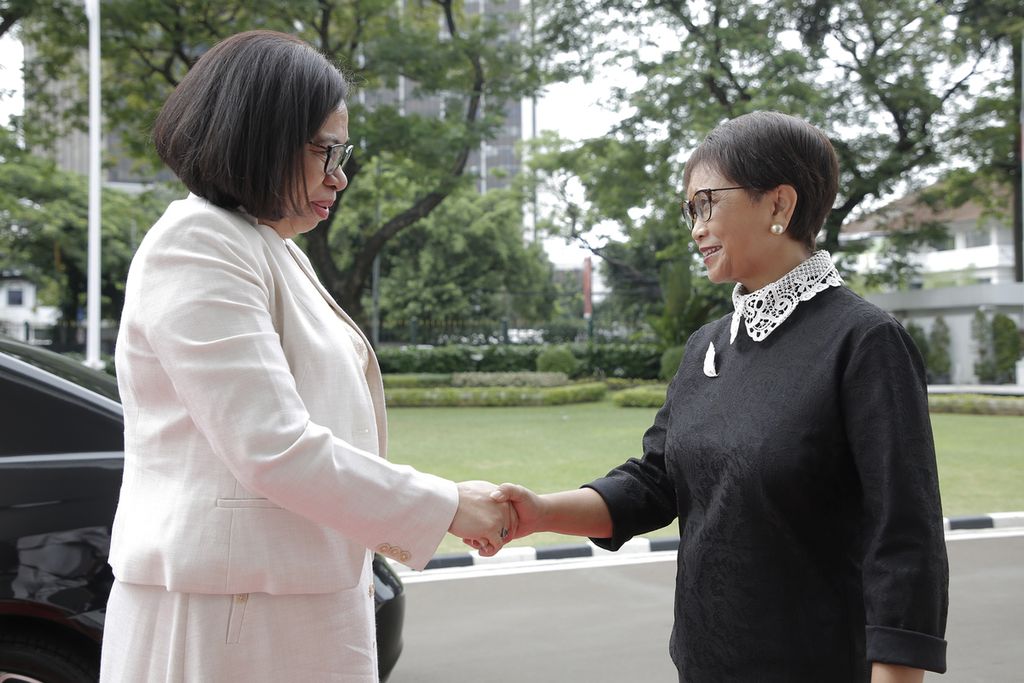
(763,310)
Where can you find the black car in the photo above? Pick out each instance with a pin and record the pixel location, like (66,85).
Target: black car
(61,455)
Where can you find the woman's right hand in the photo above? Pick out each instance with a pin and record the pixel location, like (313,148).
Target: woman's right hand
(481,520)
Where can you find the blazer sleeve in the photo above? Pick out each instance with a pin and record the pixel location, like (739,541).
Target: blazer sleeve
(905,571)
(206,314)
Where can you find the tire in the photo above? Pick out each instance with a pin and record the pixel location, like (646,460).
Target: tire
(33,658)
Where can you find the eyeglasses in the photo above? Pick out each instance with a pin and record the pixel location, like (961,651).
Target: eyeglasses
(699,205)
(335,156)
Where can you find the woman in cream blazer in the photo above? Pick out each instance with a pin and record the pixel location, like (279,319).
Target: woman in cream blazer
(256,484)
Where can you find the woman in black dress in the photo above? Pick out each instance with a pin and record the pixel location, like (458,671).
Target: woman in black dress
(794,445)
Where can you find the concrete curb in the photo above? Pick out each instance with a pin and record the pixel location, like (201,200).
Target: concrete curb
(995,520)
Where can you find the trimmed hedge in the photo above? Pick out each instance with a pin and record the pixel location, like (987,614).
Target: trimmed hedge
(976,404)
(417,380)
(971,404)
(620,383)
(508,379)
(640,361)
(495,396)
(641,397)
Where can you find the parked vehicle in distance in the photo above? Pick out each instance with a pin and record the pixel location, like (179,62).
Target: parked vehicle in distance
(61,456)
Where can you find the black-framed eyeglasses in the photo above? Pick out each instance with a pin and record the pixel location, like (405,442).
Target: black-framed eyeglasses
(699,205)
(335,156)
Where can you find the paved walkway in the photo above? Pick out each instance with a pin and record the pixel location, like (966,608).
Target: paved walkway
(994,520)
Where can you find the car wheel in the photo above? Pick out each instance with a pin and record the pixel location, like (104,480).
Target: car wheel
(35,659)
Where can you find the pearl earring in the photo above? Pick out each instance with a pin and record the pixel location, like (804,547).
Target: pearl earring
(777,228)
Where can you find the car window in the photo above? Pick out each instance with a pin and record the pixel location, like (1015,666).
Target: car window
(37,420)
(64,367)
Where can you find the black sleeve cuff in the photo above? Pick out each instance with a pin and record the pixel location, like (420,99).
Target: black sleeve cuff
(906,648)
(610,492)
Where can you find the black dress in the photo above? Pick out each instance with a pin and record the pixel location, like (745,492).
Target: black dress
(803,475)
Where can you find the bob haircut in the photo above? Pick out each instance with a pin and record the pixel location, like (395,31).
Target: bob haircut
(765,149)
(236,127)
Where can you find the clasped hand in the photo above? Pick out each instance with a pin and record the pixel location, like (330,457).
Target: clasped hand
(490,516)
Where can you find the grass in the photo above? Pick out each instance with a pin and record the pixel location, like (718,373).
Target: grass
(980,457)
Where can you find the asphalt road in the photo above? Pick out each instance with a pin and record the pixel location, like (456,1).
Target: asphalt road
(593,623)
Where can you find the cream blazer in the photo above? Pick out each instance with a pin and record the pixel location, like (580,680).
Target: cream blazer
(255,441)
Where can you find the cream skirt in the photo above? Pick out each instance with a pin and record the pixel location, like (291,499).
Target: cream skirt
(152,635)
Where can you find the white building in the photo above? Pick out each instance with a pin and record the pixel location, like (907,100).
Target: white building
(21,317)
(972,270)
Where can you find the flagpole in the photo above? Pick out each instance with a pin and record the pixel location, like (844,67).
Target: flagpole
(92,339)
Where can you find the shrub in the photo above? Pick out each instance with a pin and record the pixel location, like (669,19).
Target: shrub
(641,361)
(620,383)
(495,396)
(976,404)
(670,361)
(557,359)
(938,362)
(509,379)
(592,360)
(417,380)
(1005,348)
(420,359)
(641,397)
(917,333)
(504,358)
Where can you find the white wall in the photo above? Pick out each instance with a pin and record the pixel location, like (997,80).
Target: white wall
(957,305)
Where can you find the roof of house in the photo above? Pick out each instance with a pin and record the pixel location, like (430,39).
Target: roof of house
(909,211)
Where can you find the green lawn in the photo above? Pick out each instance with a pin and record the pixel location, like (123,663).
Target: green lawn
(981,458)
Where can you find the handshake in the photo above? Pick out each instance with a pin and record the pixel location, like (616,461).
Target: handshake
(490,516)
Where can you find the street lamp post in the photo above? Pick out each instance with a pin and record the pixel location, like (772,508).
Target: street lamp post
(92,338)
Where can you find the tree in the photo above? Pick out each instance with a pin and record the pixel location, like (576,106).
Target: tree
(1006,348)
(917,333)
(472,65)
(938,359)
(989,133)
(886,81)
(466,261)
(43,230)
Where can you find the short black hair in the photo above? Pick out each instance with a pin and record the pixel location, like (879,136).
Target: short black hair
(764,149)
(235,128)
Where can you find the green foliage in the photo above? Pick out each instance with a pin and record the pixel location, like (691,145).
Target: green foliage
(557,359)
(466,260)
(976,404)
(641,397)
(509,379)
(495,396)
(981,331)
(999,348)
(938,360)
(416,380)
(637,361)
(641,361)
(670,361)
(472,67)
(504,358)
(620,383)
(429,360)
(1006,348)
(44,229)
(888,82)
(920,338)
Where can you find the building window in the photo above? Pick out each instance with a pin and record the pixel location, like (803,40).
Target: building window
(979,238)
(15,297)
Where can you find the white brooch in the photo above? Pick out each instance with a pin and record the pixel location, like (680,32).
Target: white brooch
(709,361)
